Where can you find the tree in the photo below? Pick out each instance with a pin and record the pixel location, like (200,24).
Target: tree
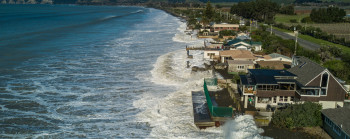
(306,20)
(208,12)
(262,10)
(329,15)
(289,10)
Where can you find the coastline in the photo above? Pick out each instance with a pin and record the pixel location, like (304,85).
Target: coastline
(270,130)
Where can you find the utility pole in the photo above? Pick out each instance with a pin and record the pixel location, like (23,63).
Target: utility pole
(296,40)
(271,30)
(250,26)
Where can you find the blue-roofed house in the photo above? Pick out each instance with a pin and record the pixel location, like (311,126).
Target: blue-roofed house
(264,87)
(336,122)
(243,45)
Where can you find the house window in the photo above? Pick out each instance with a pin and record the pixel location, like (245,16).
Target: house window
(324,91)
(324,83)
(274,99)
(210,54)
(328,122)
(324,80)
(336,129)
(240,67)
(310,92)
(291,98)
(283,98)
(264,99)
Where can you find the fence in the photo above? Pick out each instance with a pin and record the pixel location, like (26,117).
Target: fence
(216,111)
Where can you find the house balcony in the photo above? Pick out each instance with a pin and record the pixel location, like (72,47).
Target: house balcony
(261,93)
(249,91)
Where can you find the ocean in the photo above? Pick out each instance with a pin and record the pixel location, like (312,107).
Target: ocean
(69,71)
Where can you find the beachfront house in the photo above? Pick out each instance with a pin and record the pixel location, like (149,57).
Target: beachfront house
(317,84)
(238,44)
(236,66)
(236,55)
(211,54)
(336,122)
(262,88)
(223,26)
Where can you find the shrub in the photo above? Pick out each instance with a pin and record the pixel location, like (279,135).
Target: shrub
(306,20)
(293,21)
(298,115)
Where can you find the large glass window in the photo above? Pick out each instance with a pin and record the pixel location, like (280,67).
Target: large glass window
(324,79)
(266,87)
(264,99)
(310,92)
(286,86)
(323,91)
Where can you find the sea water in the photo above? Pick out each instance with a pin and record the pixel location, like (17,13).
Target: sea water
(69,71)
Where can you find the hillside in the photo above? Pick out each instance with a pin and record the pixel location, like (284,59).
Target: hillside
(108,1)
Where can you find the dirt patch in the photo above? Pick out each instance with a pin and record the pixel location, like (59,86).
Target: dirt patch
(317,132)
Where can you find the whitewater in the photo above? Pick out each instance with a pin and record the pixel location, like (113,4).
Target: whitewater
(101,72)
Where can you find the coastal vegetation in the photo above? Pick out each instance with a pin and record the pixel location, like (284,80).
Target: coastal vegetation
(261,10)
(326,55)
(329,15)
(307,114)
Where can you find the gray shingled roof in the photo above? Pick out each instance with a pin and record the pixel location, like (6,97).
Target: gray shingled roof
(339,116)
(306,70)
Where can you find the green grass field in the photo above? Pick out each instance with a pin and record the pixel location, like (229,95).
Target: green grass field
(281,18)
(324,43)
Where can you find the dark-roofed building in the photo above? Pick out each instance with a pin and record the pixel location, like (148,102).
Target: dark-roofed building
(263,87)
(239,65)
(315,83)
(336,122)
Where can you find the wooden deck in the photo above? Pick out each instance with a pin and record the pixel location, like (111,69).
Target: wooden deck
(194,48)
(201,112)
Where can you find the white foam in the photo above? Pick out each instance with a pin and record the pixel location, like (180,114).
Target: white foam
(242,127)
(170,113)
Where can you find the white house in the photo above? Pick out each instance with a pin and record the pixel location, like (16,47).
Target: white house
(211,54)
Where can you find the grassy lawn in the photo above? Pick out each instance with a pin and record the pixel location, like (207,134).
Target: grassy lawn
(323,42)
(283,30)
(281,18)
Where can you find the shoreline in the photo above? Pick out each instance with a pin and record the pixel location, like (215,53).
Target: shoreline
(270,130)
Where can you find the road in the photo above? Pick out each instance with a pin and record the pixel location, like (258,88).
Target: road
(303,43)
